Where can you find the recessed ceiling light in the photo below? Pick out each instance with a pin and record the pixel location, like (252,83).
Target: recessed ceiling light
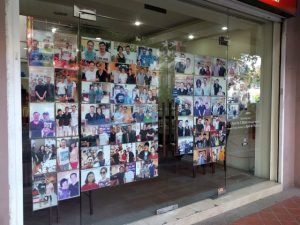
(137,23)
(97,38)
(224,28)
(191,36)
(53,29)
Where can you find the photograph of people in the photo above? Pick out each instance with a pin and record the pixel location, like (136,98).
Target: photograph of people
(41,120)
(104,180)
(63,155)
(148,57)
(128,134)
(92,157)
(63,189)
(219,67)
(184,105)
(65,46)
(185,126)
(95,114)
(103,72)
(41,49)
(44,192)
(117,175)
(184,63)
(66,85)
(122,153)
(89,72)
(129,175)
(143,150)
(103,132)
(218,123)
(140,77)
(88,54)
(218,87)
(122,94)
(122,114)
(104,51)
(125,49)
(203,65)
(64,119)
(41,86)
(185,145)
(202,106)
(202,86)
(89,179)
(215,139)
(200,157)
(43,156)
(233,111)
(95,92)
(184,84)
(202,140)
(218,106)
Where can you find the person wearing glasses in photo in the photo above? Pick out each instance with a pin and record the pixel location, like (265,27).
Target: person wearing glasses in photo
(104,179)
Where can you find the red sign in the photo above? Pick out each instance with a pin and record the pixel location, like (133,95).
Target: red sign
(289,6)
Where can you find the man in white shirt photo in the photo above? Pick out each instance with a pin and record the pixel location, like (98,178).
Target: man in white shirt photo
(63,156)
(103,55)
(90,73)
(74,121)
(129,175)
(129,56)
(103,137)
(61,88)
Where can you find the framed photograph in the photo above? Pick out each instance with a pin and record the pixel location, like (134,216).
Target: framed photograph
(147,95)
(41,49)
(124,133)
(185,105)
(201,157)
(42,122)
(203,65)
(148,57)
(219,67)
(233,111)
(123,73)
(202,106)
(184,84)
(66,119)
(185,145)
(218,106)
(146,169)
(124,52)
(117,173)
(202,140)
(217,138)
(218,86)
(66,85)
(184,63)
(93,92)
(67,154)
(65,54)
(218,153)
(121,114)
(122,153)
(218,123)
(68,185)
(145,113)
(95,114)
(92,157)
(43,156)
(233,67)
(203,124)
(90,178)
(202,86)
(146,150)
(44,191)
(95,50)
(41,84)
(95,135)
(185,126)
(123,94)
(147,131)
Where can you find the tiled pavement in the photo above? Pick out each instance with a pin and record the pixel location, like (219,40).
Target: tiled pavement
(279,209)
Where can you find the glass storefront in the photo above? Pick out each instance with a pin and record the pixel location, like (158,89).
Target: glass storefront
(183,105)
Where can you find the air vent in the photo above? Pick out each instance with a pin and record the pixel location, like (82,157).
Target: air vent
(155,9)
(60,13)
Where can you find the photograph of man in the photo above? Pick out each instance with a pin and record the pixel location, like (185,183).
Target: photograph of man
(74,185)
(35,55)
(128,135)
(103,54)
(89,54)
(218,106)
(103,132)
(49,126)
(184,63)
(61,89)
(199,124)
(130,54)
(89,74)
(138,114)
(147,57)
(50,90)
(63,156)
(71,90)
(218,123)
(129,173)
(202,158)
(117,175)
(202,106)
(143,150)
(36,126)
(74,121)
(215,139)
(185,145)
(189,66)
(40,90)
(202,140)
(102,74)
(140,78)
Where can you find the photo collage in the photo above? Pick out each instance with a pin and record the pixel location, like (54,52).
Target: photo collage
(53,125)
(200,87)
(119,113)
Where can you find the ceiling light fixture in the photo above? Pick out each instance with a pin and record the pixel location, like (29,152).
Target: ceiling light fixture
(98,38)
(53,29)
(137,23)
(224,28)
(191,37)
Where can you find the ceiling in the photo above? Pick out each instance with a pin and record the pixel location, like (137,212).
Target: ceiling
(115,18)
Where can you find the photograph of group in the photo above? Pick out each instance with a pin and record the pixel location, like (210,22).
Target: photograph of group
(201,88)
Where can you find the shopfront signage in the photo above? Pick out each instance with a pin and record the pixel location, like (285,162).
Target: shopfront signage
(286,8)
